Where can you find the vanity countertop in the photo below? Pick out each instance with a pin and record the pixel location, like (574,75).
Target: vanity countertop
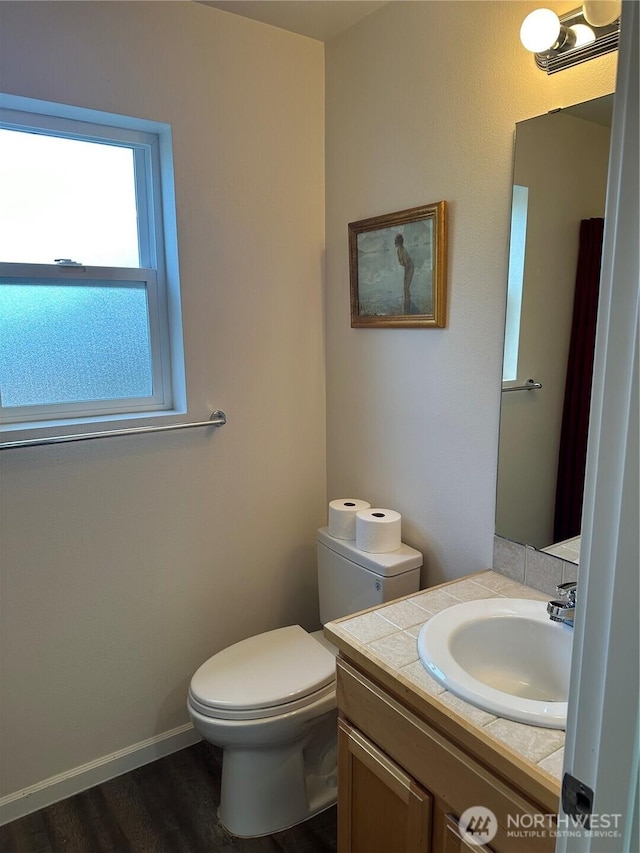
(382,642)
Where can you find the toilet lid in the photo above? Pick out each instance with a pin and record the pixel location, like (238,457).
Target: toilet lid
(264,671)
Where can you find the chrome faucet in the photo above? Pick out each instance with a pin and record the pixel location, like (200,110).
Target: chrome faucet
(564,610)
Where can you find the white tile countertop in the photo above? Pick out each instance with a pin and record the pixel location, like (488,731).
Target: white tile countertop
(387,636)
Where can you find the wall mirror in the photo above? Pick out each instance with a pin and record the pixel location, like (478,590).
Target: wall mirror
(560,177)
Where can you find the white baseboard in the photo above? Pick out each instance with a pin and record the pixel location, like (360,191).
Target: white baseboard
(78,779)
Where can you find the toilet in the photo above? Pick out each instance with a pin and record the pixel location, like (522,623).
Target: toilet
(270,701)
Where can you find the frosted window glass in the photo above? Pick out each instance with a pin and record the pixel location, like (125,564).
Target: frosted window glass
(67,198)
(73,343)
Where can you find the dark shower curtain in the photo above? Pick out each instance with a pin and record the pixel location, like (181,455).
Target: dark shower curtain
(577,395)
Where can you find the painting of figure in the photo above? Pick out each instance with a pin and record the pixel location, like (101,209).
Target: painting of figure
(398,268)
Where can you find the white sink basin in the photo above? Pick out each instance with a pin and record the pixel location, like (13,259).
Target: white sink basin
(503,655)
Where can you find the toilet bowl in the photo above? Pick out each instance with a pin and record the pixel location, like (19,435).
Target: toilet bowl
(269,701)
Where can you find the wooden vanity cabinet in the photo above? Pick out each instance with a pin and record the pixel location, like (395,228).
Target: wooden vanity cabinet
(381,807)
(402,785)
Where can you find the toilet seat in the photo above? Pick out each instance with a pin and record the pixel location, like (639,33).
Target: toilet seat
(263,676)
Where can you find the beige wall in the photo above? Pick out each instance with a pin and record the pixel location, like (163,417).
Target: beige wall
(563,160)
(127,562)
(422,100)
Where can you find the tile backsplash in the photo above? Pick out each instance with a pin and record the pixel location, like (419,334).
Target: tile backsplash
(525,564)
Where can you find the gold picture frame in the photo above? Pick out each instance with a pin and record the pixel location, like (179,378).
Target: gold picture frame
(398,269)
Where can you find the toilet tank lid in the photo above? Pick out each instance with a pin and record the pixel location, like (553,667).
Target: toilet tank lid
(391,563)
(264,671)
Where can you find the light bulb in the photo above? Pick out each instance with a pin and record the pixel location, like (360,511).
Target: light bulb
(540,30)
(601,13)
(584,34)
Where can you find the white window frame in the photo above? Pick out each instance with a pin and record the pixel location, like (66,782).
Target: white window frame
(158,270)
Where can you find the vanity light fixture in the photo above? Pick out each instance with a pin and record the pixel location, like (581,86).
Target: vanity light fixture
(572,38)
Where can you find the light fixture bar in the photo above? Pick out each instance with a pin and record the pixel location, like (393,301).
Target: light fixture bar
(606,40)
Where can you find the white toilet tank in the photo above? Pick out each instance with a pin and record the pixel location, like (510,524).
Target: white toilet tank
(350,580)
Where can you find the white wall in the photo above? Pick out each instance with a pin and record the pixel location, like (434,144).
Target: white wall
(127,562)
(422,100)
(563,160)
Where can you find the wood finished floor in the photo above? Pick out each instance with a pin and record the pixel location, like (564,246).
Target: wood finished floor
(166,807)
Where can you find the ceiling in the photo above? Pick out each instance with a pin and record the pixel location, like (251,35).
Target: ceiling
(318,19)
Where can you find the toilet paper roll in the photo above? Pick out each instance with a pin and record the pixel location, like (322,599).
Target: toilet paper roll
(378,530)
(342,517)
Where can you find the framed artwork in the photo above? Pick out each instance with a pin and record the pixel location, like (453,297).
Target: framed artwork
(398,268)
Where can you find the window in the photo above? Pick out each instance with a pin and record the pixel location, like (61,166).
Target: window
(89,294)
(515,282)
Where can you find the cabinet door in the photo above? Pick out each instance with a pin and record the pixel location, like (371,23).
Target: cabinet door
(380,808)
